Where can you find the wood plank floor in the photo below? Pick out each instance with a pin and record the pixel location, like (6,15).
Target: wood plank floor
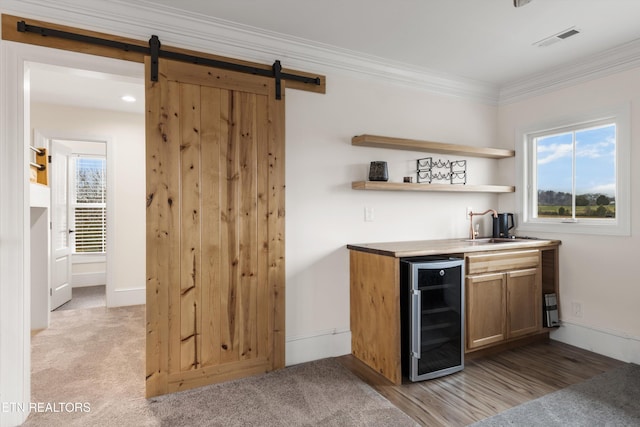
(488,385)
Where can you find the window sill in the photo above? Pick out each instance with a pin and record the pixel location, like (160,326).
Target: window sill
(578,227)
(88,258)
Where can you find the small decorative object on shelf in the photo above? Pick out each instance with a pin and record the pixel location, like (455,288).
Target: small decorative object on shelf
(456,174)
(378,171)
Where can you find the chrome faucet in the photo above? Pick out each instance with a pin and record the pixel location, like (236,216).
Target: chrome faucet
(474,233)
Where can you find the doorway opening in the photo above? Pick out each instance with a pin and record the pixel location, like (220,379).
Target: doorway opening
(78,224)
(94,134)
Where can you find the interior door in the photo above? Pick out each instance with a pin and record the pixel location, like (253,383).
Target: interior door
(215,227)
(60,239)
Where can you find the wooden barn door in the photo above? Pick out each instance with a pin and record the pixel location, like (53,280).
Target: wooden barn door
(215,227)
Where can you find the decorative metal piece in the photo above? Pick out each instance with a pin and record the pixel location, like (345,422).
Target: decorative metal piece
(155,51)
(277,75)
(37,166)
(456,174)
(154,48)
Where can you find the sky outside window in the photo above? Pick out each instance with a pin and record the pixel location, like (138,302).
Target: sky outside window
(594,171)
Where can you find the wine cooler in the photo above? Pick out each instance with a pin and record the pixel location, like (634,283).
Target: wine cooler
(432,304)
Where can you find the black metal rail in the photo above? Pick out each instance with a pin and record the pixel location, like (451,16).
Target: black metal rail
(155,52)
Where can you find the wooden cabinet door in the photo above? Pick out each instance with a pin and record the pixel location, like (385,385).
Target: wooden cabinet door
(524,302)
(215,227)
(486,317)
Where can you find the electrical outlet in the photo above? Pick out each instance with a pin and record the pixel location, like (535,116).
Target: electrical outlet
(369,214)
(469,210)
(576,309)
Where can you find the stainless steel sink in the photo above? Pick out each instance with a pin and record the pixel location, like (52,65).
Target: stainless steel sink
(489,240)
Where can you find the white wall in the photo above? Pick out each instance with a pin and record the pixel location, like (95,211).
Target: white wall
(125,132)
(600,272)
(323,213)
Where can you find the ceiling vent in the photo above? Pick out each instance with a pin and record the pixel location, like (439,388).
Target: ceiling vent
(563,35)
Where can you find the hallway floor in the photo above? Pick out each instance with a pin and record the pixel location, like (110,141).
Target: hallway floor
(86,297)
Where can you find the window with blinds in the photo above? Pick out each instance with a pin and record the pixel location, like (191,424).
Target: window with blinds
(89,203)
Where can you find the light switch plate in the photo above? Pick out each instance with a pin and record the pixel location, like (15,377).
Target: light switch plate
(369,214)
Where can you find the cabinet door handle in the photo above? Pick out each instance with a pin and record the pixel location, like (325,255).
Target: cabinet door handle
(415,322)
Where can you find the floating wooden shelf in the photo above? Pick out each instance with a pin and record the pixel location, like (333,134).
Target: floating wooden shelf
(402,186)
(430,147)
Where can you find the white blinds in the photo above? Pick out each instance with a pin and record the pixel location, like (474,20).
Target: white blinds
(89,204)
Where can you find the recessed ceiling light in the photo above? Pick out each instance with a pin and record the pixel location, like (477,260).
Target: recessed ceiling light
(128,98)
(520,3)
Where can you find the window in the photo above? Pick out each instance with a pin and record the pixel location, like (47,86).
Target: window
(88,203)
(576,176)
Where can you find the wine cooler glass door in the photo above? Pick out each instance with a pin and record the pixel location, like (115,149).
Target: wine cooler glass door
(437,318)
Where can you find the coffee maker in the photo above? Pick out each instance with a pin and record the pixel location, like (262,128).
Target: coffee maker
(502,224)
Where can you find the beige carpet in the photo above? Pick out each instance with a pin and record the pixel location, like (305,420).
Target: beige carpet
(95,357)
(86,297)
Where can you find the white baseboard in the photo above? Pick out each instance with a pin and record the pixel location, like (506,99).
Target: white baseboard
(79,280)
(613,344)
(125,297)
(323,344)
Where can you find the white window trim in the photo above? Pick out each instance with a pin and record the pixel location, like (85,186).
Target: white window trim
(83,257)
(621,226)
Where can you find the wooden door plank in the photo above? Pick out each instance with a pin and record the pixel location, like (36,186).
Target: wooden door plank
(247,223)
(210,148)
(171,139)
(190,232)
(229,231)
(215,374)
(224,79)
(162,221)
(262,212)
(277,227)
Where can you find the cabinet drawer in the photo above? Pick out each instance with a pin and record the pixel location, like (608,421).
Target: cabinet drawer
(502,261)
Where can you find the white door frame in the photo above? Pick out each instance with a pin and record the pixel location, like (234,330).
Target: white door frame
(15,245)
(111,192)
(15,274)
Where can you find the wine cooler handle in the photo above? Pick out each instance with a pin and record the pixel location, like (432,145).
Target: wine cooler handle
(415,324)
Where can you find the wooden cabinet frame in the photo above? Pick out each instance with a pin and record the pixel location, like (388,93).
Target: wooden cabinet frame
(485,325)
(505,301)
(375,300)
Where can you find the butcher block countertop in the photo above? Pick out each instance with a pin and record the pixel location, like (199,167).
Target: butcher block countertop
(448,246)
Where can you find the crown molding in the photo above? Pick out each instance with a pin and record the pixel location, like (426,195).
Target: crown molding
(140,18)
(615,60)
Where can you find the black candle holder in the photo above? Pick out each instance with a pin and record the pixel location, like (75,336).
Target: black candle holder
(378,171)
